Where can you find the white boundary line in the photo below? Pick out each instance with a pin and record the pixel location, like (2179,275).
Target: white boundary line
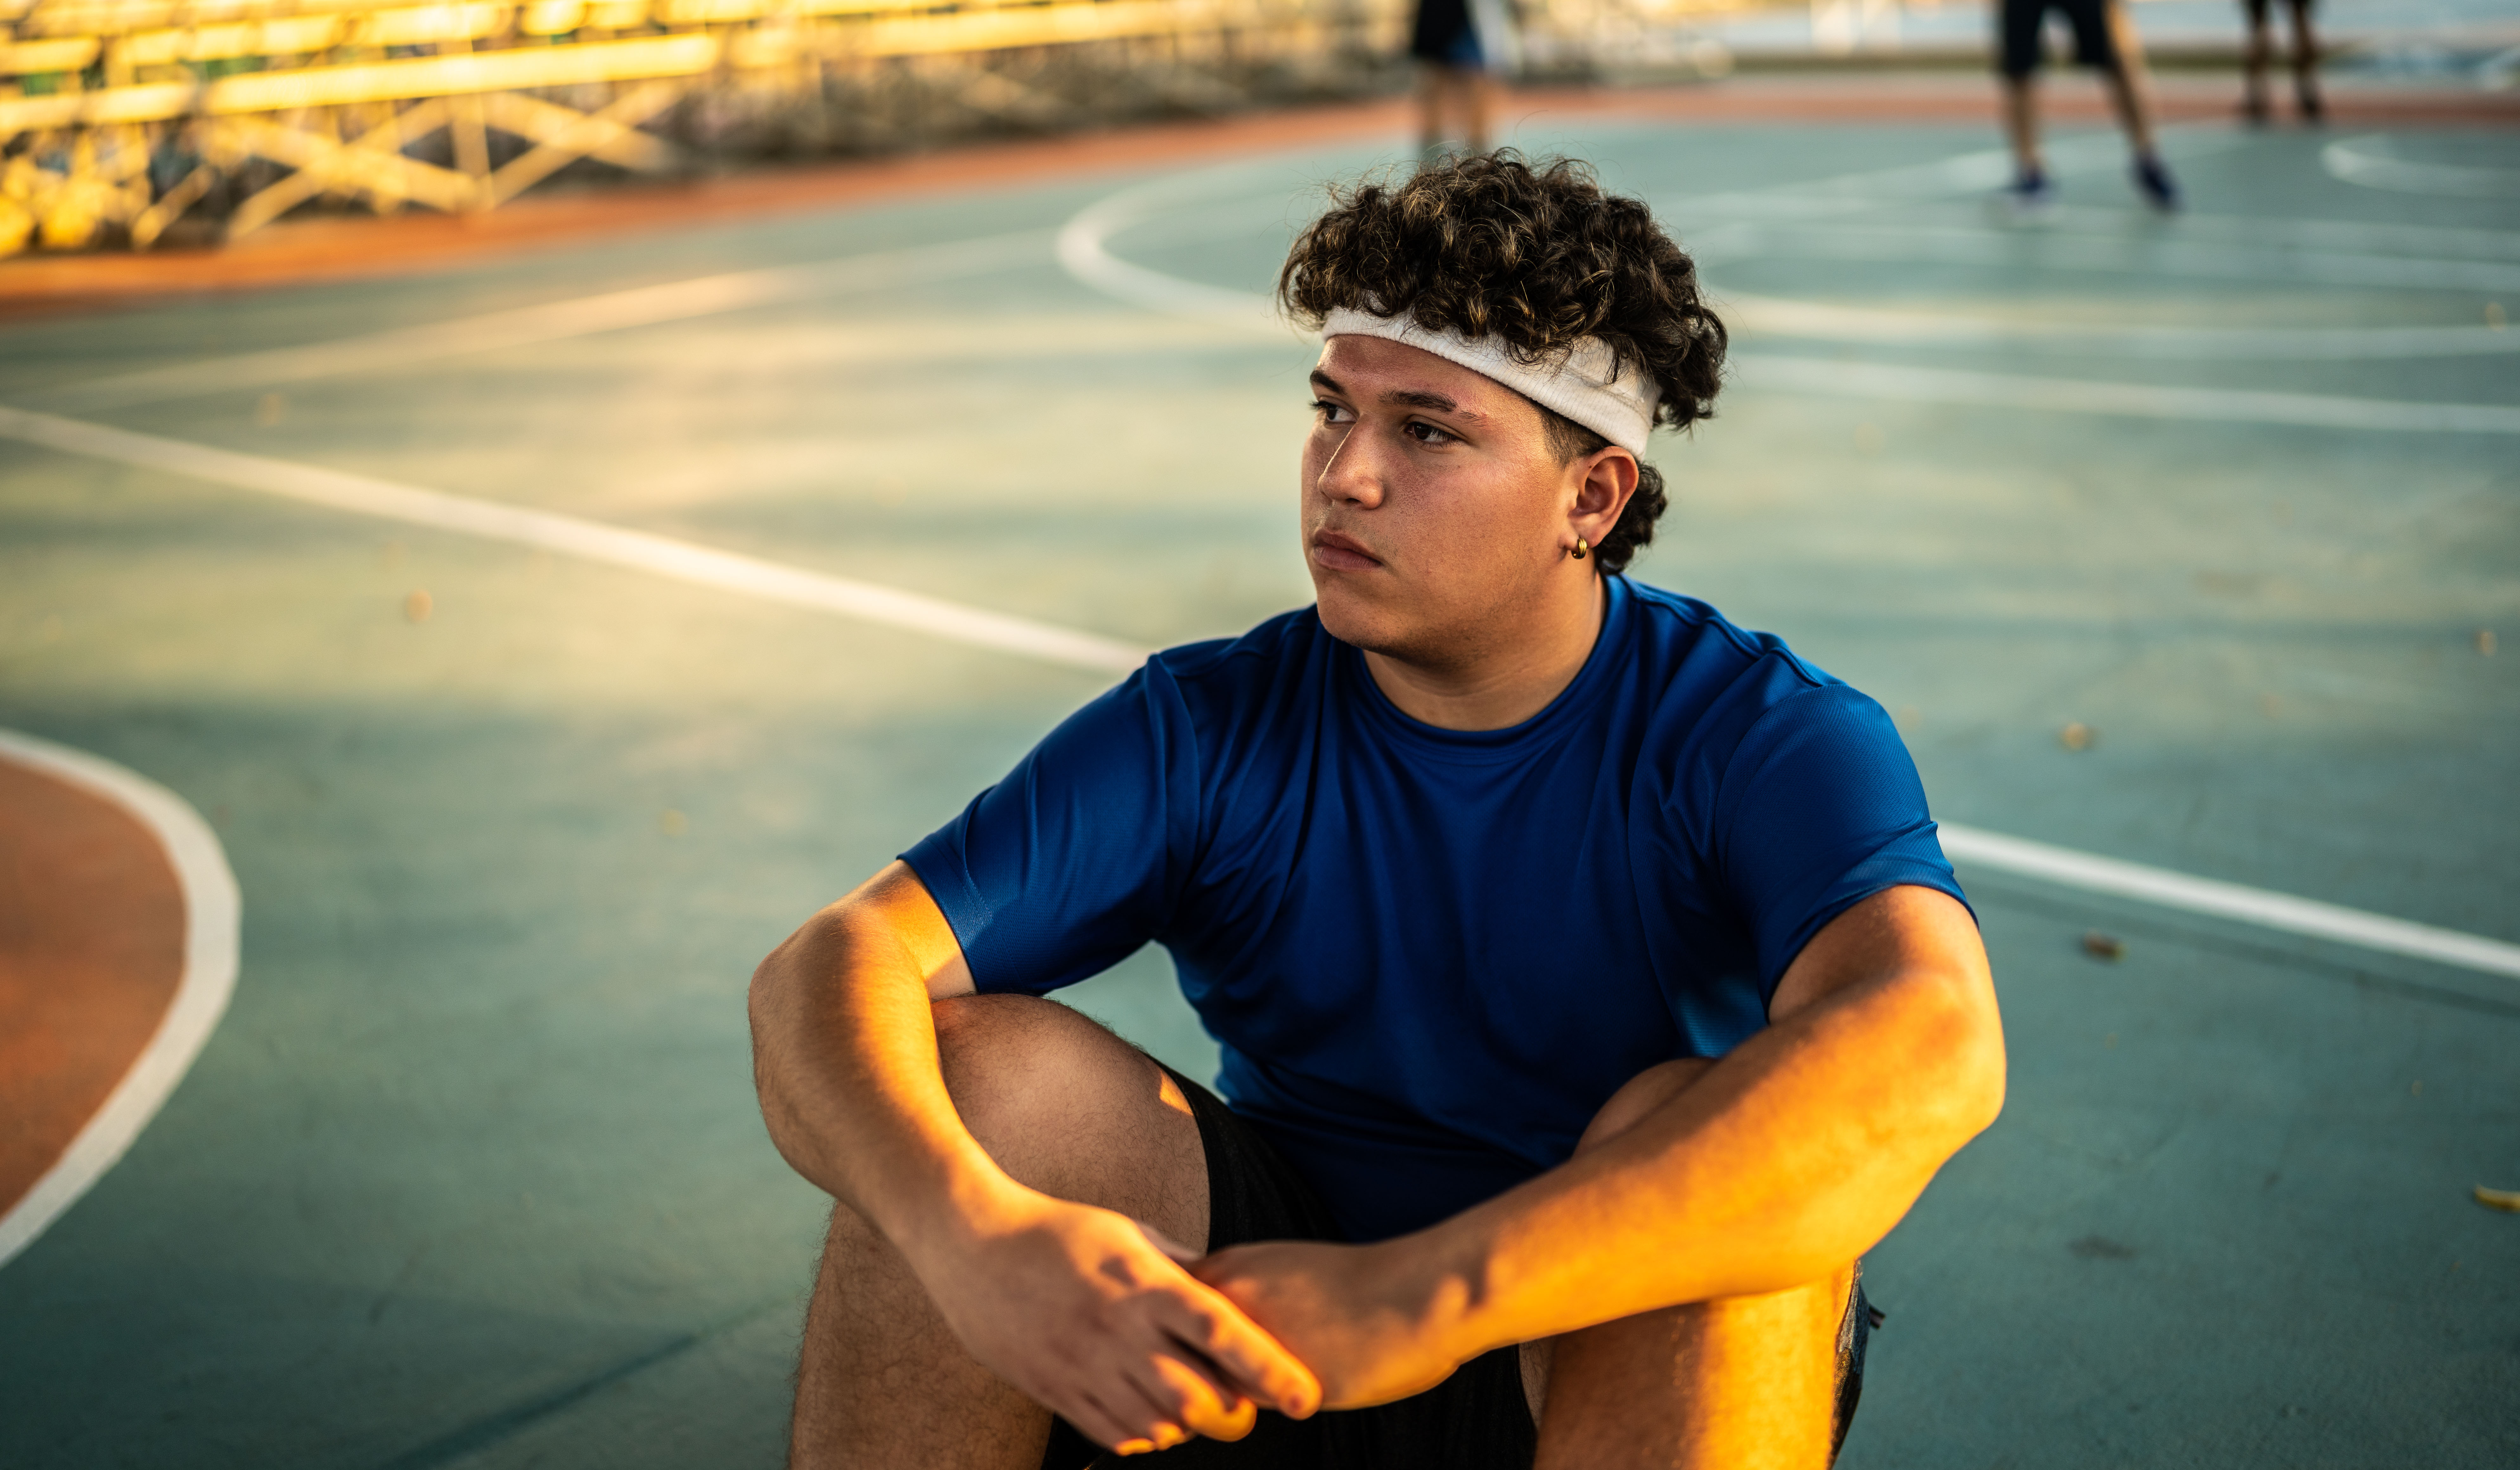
(745,576)
(1823,321)
(2139,400)
(210,936)
(2229,901)
(1083,250)
(2355,161)
(570,536)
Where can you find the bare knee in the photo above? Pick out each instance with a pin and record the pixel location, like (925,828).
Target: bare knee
(1069,1108)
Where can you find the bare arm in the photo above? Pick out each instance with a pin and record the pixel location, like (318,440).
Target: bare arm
(1073,1304)
(1787,1158)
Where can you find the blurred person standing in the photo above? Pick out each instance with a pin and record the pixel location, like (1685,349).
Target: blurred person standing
(2106,40)
(2261,52)
(1459,46)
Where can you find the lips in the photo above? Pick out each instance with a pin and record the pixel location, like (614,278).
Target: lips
(1343,553)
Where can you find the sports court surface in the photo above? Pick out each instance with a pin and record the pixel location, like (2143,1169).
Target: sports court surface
(470,1174)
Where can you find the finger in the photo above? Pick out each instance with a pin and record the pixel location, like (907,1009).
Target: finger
(1098,1424)
(1249,1359)
(1219,1413)
(1138,1397)
(1182,1255)
(1194,1398)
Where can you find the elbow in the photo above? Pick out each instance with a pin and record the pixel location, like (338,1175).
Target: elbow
(1969,1053)
(776,1006)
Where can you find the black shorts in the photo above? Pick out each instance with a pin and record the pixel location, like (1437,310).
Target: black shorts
(1477,1419)
(2020,21)
(1443,34)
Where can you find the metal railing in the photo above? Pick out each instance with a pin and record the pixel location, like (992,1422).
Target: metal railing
(121,119)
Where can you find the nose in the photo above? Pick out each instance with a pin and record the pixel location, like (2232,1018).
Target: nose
(1352,477)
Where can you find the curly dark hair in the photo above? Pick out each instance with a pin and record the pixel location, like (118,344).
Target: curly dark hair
(1537,255)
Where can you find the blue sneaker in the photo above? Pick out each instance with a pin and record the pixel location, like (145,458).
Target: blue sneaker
(2030,192)
(2154,183)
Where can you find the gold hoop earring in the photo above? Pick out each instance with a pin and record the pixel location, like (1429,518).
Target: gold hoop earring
(1580,548)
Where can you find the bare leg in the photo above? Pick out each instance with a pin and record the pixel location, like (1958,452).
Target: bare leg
(1430,109)
(1065,1107)
(2130,85)
(2305,63)
(1744,1383)
(1478,105)
(2021,123)
(2253,62)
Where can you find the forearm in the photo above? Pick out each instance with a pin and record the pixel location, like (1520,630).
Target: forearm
(1789,1157)
(845,1060)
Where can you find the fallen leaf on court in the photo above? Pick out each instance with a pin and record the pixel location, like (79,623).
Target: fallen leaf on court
(2506,1200)
(2485,641)
(673,823)
(2100,945)
(418,606)
(2077,736)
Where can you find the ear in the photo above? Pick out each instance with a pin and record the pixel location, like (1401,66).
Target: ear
(1608,478)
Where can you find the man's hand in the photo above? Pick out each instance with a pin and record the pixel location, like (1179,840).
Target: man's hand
(1355,1314)
(1092,1316)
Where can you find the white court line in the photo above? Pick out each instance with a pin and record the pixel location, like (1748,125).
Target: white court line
(590,540)
(2154,255)
(2139,400)
(2356,161)
(1083,250)
(1827,321)
(551,321)
(748,577)
(2229,901)
(210,937)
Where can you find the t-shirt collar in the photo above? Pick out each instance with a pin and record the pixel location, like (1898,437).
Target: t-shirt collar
(1489,746)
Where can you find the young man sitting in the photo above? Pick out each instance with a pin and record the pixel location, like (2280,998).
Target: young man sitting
(1591,990)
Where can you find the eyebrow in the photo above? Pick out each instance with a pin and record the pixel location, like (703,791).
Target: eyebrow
(1408,397)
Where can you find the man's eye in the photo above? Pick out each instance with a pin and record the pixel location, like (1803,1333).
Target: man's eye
(1426,433)
(1331,413)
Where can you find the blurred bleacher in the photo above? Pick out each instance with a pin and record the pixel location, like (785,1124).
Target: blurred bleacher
(143,123)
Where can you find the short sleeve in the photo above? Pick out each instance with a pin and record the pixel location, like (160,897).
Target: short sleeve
(1076,858)
(1819,809)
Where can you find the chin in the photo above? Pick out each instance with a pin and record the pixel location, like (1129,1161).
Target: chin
(1355,620)
(1366,623)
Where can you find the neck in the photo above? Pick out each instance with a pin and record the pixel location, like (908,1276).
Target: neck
(1507,683)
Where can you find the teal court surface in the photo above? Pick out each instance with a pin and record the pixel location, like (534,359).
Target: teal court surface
(543,639)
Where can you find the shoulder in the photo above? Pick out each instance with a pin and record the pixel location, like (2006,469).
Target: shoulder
(1725,703)
(1697,658)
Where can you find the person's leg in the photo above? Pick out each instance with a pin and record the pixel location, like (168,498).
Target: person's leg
(2111,44)
(1063,1106)
(2130,83)
(2254,56)
(1478,106)
(2305,63)
(1430,109)
(2017,45)
(1745,1383)
(2021,124)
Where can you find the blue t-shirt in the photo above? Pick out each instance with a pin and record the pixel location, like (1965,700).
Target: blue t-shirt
(1430,955)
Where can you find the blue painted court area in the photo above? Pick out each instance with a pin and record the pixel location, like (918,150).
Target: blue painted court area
(471,1175)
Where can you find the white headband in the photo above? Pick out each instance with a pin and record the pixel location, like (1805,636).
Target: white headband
(1586,387)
